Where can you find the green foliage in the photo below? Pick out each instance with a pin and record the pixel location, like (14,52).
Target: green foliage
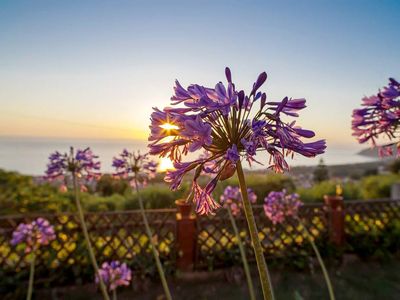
(378,186)
(107,186)
(370,187)
(351,190)
(110,203)
(20,194)
(154,196)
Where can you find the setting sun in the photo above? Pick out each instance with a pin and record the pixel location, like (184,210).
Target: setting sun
(169,126)
(165,164)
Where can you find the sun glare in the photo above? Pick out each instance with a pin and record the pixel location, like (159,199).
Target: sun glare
(169,126)
(165,164)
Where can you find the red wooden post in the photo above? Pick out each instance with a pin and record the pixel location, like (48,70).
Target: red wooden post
(335,208)
(186,235)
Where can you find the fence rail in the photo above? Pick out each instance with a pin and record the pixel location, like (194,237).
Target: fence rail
(121,235)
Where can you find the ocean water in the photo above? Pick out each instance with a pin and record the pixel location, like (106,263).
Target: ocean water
(30,155)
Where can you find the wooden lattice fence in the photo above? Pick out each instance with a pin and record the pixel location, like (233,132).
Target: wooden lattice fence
(370,216)
(215,234)
(121,236)
(114,236)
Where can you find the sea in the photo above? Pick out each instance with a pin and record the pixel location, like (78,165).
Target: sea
(29,155)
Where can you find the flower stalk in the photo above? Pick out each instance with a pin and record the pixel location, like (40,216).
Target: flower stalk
(260,259)
(86,236)
(31,275)
(139,169)
(114,294)
(320,260)
(243,255)
(152,244)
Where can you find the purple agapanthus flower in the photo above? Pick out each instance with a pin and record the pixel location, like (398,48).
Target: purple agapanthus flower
(231,198)
(114,274)
(82,163)
(136,167)
(379,117)
(229,125)
(280,205)
(38,232)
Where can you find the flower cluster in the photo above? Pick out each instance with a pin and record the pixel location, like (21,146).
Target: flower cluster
(378,117)
(134,166)
(229,125)
(114,274)
(38,232)
(231,198)
(82,163)
(279,205)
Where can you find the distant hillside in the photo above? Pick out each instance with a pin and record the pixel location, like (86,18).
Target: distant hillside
(373,152)
(346,170)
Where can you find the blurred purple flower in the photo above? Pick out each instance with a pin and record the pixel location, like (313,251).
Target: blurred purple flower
(232,198)
(280,205)
(379,117)
(82,163)
(134,166)
(220,121)
(38,232)
(114,274)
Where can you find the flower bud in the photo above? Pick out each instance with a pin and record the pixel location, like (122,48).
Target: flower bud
(228,171)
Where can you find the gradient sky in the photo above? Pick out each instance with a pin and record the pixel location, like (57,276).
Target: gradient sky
(95,68)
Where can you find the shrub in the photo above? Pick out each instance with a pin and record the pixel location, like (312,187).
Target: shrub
(378,186)
(107,186)
(21,194)
(351,191)
(110,203)
(155,196)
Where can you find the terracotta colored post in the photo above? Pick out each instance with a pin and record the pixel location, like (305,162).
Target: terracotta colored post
(186,236)
(335,209)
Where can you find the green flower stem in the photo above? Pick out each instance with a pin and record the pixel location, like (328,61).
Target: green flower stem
(261,264)
(153,246)
(86,235)
(321,262)
(243,255)
(31,275)
(114,294)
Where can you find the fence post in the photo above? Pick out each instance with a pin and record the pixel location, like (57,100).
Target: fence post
(186,235)
(395,191)
(335,210)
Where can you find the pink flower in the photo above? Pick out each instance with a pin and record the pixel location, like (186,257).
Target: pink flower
(232,198)
(34,234)
(114,274)
(280,205)
(136,167)
(379,117)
